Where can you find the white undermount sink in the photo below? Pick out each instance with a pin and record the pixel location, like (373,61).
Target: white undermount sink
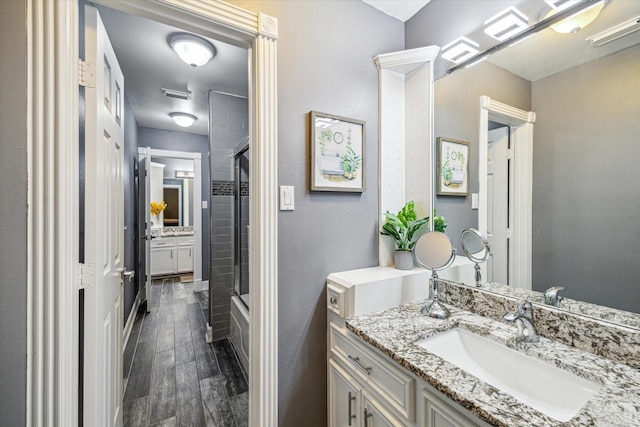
(557,393)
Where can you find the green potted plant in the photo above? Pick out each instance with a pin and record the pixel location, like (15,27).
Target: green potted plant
(402,229)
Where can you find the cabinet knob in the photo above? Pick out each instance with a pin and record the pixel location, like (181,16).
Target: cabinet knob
(333,300)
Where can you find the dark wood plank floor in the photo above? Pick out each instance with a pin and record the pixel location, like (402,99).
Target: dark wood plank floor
(172,376)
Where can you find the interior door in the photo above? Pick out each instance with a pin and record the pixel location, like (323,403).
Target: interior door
(498,205)
(144,223)
(104,230)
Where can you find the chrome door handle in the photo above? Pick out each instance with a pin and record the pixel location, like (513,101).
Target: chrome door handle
(367,414)
(350,398)
(356,360)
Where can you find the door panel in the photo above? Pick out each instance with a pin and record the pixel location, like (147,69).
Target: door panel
(104,231)
(144,223)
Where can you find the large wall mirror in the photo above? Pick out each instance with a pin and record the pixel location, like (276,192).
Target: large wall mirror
(585,211)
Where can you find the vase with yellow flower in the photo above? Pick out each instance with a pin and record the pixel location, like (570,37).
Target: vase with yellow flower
(157,208)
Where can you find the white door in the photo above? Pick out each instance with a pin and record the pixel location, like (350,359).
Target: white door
(144,223)
(104,232)
(498,205)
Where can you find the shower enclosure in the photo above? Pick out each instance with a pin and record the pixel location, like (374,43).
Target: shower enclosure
(241,224)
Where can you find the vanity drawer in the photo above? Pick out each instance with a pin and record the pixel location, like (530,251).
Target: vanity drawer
(185,241)
(163,242)
(391,385)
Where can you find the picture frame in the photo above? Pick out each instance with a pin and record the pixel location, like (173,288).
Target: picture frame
(337,153)
(452,167)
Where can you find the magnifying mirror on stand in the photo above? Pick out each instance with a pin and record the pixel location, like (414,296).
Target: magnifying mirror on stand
(477,249)
(435,252)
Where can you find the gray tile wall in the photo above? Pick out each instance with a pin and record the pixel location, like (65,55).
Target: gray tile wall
(229,127)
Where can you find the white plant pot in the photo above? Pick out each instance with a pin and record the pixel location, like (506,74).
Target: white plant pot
(404,260)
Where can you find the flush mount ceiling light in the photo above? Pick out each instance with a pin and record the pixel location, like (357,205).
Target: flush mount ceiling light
(506,24)
(192,49)
(184,174)
(460,50)
(183,119)
(577,21)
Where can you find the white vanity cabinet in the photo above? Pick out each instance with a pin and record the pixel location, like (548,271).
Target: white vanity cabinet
(365,387)
(185,254)
(171,255)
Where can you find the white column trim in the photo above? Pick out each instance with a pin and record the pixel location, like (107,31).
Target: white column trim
(52,236)
(404,114)
(522,121)
(52,307)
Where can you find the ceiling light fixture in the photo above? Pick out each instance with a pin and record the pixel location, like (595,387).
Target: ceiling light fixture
(506,24)
(460,50)
(183,119)
(577,21)
(615,33)
(192,49)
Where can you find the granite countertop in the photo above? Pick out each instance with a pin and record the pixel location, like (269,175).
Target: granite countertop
(173,231)
(394,332)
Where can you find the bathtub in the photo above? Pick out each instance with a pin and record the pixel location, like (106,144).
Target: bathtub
(240,329)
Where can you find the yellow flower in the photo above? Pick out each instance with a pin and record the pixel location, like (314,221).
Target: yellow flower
(158,207)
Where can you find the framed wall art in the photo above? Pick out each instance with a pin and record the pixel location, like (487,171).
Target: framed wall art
(452,167)
(337,153)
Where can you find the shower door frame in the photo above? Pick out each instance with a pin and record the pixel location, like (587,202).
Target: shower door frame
(237,219)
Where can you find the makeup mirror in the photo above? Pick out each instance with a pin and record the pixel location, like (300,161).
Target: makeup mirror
(434,251)
(476,248)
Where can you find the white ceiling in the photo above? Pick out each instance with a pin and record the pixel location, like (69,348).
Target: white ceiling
(149,64)
(402,10)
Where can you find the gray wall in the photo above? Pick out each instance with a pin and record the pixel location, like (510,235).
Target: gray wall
(586,174)
(13,211)
(180,141)
(325,51)
(130,206)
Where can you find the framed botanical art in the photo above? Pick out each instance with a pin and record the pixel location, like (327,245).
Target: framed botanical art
(452,167)
(337,153)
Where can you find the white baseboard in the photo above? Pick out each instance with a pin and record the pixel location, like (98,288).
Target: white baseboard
(126,333)
(205,285)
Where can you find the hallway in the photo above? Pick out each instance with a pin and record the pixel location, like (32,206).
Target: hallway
(172,377)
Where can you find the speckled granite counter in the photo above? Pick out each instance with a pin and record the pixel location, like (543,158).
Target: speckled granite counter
(395,330)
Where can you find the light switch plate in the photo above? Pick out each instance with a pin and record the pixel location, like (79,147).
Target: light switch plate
(474,200)
(286,198)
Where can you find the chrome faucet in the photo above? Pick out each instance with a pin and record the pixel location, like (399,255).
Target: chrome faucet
(552,297)
(523,318)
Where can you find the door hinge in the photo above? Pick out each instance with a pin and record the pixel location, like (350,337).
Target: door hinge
(86,276)
(509,233)
(86,73)
(509,153)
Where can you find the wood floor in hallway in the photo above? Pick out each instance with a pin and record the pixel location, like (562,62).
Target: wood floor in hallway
(173,377)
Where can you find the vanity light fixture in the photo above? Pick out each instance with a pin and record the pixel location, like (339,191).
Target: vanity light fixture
(184,174)
(536,28)
(192,49)
(615,33)
(460,50)
(577,21)
(506,24)
(183,119)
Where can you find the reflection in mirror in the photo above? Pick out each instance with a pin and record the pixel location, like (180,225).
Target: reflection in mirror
(476,248)
(175,188)
(434,251)
(585,179)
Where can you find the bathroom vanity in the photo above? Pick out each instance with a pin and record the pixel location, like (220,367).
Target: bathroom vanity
(172,251)
(383,370)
